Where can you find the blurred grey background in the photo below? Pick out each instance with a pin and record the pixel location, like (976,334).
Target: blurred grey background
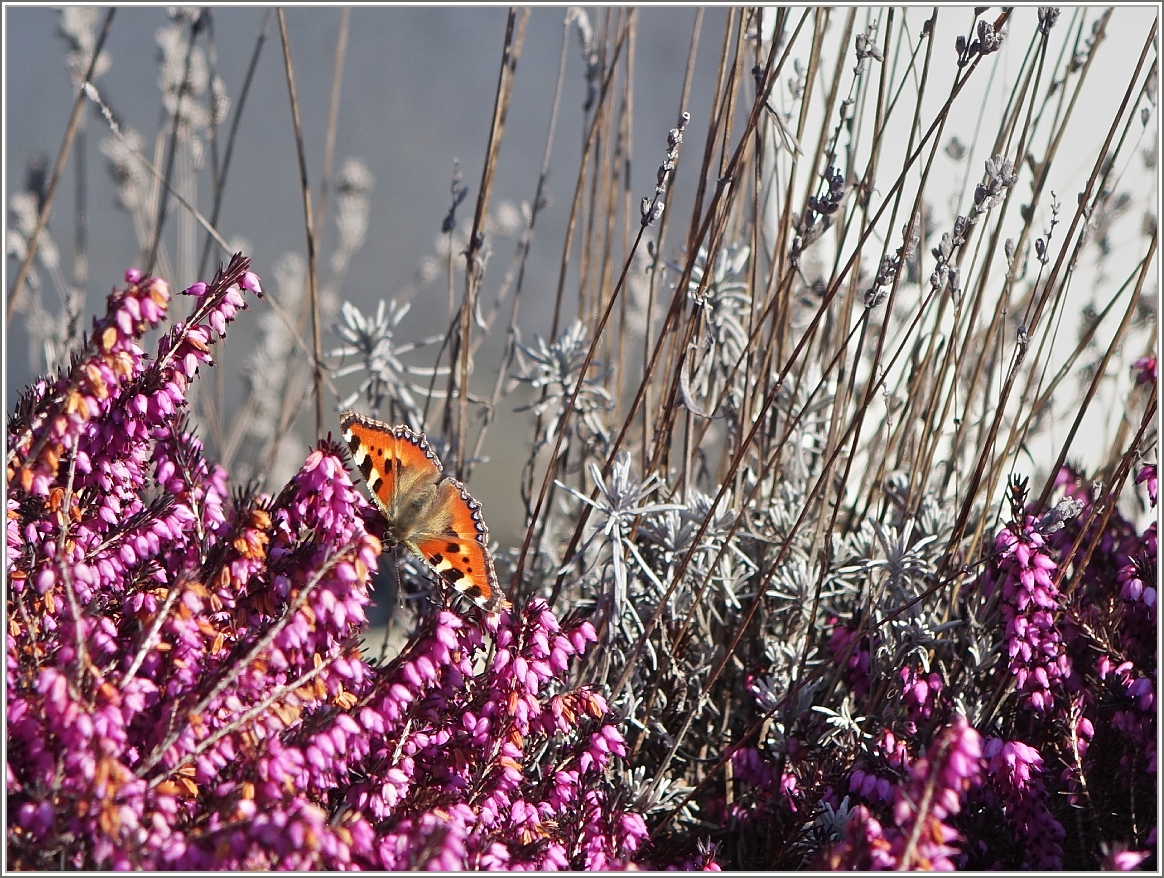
(417,96)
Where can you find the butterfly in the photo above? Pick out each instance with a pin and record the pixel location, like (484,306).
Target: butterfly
(427,510)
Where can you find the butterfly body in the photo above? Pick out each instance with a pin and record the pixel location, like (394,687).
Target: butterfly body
(426,510)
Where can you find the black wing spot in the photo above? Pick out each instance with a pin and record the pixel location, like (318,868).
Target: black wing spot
(436,557)
(452,575)
(452,548)
(366,468)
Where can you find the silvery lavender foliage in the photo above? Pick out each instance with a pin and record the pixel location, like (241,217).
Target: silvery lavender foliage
(912,629)
(717,555)
(611,539)
(185,684)
(373,344)
(554,370)
(698,564)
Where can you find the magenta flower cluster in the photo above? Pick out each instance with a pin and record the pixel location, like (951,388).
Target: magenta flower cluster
(920,835)
(873,779)
(1025,576)
(1013,785)
(186,686)
(1118,582)
(1092,748)
(490,767)
(185,683)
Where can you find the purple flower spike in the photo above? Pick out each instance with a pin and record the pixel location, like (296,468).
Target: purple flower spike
(1013,778)
(1025,572)
(920,836)
(1147,475)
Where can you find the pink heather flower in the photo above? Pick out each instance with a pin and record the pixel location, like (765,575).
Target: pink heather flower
(1119,859)
(1013,781)
(58,415)
(1134,716)
(1025,571)
(250,281)
(865,845)
(1145,369)
(703,860)
(467,729)
(950,765)
(1137,581)
(1147,474)
(1121,570)
(919,837)
(920,691)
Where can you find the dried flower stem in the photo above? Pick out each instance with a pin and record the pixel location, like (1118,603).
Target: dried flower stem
(309,225)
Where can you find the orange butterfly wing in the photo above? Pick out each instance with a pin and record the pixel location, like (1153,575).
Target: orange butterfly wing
(392,460)
(431,513)
(457,548)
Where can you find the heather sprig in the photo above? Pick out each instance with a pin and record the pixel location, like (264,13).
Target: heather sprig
(185,678)
(495,766)
(1013,783)
(919,835)
(1030,607)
